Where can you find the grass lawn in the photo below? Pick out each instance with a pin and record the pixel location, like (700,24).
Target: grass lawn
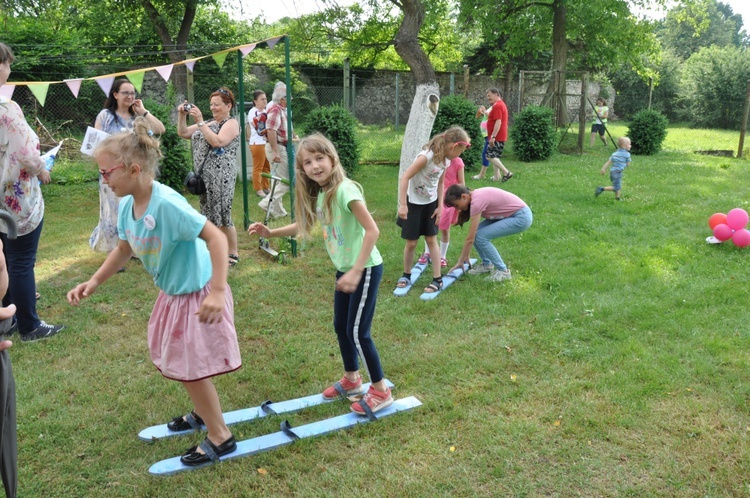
(615,363)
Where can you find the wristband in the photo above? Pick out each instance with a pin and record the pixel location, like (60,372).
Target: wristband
(201,124)
(145,114)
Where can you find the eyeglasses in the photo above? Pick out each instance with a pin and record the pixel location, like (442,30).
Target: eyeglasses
(105,173)
(127,94)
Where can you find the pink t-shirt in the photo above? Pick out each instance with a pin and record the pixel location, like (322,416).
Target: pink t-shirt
(451,173)
(494,203)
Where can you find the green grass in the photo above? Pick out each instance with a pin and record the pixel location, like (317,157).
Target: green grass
(625,333)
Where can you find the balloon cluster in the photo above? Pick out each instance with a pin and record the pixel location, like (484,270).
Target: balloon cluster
(731,226)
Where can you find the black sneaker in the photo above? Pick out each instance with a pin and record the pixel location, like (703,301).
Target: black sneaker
(43,331)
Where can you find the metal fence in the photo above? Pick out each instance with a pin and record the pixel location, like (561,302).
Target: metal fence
(383,98)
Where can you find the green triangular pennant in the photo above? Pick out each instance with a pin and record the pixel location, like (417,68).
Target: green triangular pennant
(40,91)
(137,80)
(220,57)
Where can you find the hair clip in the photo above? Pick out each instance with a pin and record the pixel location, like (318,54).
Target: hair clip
(150,133)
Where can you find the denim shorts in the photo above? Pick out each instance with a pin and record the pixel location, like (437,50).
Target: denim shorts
(616,177)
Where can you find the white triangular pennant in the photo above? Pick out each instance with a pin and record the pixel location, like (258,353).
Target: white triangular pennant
(165,71)
(7,91)
(74,85)
(247,49)
(272,43)
(105,84)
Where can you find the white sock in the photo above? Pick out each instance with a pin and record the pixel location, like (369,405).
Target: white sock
(444,248)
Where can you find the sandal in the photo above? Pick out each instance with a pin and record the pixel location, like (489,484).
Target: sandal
(435,286)
(189,421)
(403,282)
(211,453)
(507,177)
(233,260)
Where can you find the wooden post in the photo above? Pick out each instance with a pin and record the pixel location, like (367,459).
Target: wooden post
(520,90)
(398,105)
(453,84)
(466,81)
(743,128)
(582,112)
(346,84)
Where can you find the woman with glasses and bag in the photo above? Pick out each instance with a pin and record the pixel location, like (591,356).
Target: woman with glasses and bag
(120,110)
(215,144)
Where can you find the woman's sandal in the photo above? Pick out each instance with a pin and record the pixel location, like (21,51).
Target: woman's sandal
(435,286)
(403,282)
(211,452)
(233,260)
(189,421)
(507,177)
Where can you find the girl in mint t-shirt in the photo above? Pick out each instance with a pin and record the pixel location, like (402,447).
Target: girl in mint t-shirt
(326,195)
(191,335)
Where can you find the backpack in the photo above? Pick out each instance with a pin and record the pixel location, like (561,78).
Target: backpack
(259,122)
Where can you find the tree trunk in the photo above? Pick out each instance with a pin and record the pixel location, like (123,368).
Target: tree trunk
(427,95)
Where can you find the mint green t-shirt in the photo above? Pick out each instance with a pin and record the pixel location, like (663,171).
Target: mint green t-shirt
(344,236)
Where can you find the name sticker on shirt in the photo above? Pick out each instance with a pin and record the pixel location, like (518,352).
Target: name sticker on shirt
(149,222)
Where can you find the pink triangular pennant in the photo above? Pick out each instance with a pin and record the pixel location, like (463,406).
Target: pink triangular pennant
(190,64)
(272,43)
(165,71)
(7,91)
(74,85)
(105,84)
(247,49)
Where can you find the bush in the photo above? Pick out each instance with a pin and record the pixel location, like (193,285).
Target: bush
(176,162)
(339,126)
(533,134)
(455,110)
(647,132)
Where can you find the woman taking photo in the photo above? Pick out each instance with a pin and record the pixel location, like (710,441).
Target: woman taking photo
(120,109)
(256,131)
(215,144)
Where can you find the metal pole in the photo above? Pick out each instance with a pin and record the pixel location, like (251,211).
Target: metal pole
(346,84)
(466,81)
(243,141)
(453,84)
(354,93)
(520,90)
(397,104)
(582,113)
(290,135)
(743,129)
(650,91)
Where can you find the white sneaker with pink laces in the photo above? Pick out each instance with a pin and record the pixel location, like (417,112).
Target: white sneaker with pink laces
(372,402)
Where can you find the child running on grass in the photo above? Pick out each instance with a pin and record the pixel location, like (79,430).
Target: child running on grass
(191,333)
(420,199)
(454,175)
(325,194)
(619,160)
(504,214)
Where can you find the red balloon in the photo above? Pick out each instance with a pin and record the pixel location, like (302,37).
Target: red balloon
(737,219)
(741,238)
(722,232)
(717,219)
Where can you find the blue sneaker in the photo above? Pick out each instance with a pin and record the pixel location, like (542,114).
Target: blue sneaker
(43,331)
(598,191)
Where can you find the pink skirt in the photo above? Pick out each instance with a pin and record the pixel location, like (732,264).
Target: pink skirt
(186,350)
(448,218)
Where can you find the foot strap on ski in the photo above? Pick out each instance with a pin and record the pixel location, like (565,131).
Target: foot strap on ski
(208,449)
(286,428)
(267,409)
(367,409)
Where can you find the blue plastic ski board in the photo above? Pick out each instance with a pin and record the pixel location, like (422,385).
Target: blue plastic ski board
(269,442)
(448,279)
(160,431)
(415,274)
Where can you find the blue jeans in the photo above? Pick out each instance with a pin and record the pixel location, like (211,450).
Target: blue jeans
(20,257)
(352,317)
(492,229)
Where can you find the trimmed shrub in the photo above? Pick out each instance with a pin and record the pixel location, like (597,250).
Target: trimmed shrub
(647,132)
(533,134)
(339,126)
(176,162)
(455,110)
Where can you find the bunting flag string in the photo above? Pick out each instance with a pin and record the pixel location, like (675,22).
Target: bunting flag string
(136,76)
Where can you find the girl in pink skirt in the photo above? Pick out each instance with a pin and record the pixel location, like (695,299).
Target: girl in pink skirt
(191,335)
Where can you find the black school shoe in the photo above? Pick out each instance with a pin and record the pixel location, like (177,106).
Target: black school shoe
(43,331)
(191,458)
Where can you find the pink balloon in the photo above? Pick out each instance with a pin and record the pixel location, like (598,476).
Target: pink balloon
(741,238)
(737,219)
(722,232)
